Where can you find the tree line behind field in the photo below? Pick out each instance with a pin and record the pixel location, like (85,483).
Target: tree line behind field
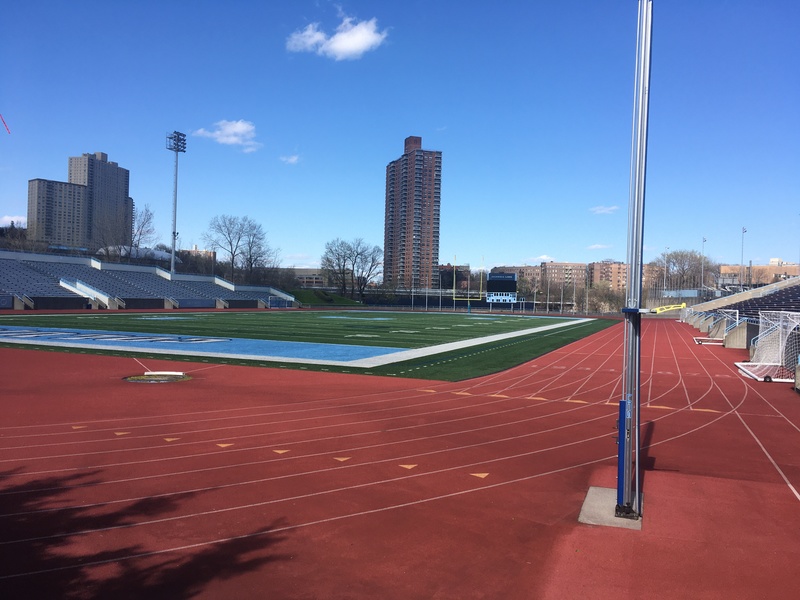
(239,250)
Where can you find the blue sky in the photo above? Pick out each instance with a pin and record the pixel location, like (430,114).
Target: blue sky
(292,109)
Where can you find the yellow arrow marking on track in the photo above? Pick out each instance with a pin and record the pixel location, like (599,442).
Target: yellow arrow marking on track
(462,394)
(429,391)
(79,426)
(536,398)
(342,458)
(662,407)
(577,401)
(280,451)
(711,410)
(171,439)
(122,433)
(224,445)
(481,475)
(497,396)
(408,466)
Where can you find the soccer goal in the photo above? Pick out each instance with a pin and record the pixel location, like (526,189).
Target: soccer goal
(776,348)
(723,321)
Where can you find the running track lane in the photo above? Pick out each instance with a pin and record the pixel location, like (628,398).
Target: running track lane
(318,485)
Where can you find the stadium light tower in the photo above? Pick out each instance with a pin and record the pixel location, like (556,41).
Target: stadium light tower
(176,142)
(741,263)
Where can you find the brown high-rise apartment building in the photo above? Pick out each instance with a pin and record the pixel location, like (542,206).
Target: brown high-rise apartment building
(90,211)
(411,226)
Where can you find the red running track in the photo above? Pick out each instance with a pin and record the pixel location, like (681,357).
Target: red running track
(269,483)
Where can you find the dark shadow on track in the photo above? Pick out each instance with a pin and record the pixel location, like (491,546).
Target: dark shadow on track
(39,546)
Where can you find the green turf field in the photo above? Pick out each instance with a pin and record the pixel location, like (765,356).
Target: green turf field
(366,328)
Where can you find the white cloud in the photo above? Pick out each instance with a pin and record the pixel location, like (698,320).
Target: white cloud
(291,160)
(538,259)
(309,39)
(233,133)
(604,210)
(598,246)
(6,221)
(351,40)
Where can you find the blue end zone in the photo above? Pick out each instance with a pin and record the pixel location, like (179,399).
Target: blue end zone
(191,345)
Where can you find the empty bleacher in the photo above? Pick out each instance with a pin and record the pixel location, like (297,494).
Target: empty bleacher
(34,288)
(42,281)
(740,313)
(783,299)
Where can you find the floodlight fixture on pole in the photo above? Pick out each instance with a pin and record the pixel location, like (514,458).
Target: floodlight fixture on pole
(176,142)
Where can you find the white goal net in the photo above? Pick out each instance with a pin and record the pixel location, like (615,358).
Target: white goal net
(776,347)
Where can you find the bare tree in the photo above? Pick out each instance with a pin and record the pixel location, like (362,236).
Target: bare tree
(226,233)
(365,265)
(144,229)
(336,263)
(13,237)
(256,252)
(684,268)
(351,266)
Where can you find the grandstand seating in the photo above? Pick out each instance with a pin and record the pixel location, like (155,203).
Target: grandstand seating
(37,280)
(741,313)
(785,299)
(19,279)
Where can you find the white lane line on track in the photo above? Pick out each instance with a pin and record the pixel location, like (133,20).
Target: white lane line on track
(769,457)
(358,513)
(350,515)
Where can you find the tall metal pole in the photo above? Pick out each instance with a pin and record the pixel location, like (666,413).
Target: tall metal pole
(664,289)
(628,481)
(741,264)
(702,269)
(176,142)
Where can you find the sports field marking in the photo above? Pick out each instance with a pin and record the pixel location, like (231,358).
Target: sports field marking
(360,357)
(431,350)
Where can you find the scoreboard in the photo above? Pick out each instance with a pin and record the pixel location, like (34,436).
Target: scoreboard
(501,287)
